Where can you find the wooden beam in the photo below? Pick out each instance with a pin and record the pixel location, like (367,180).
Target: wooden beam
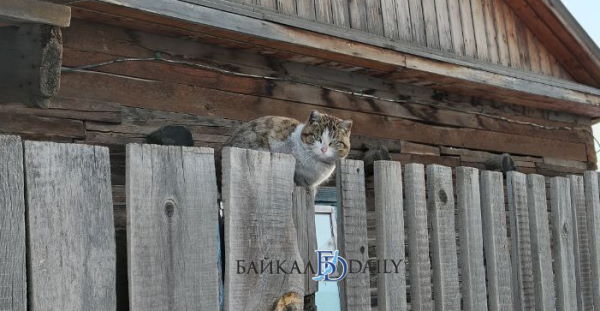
(33,11)
(441,71)
(30,63)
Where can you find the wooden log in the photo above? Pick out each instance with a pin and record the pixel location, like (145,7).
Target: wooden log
(71,232)
(583,273)
(540,243)
(304,221)
(391,286)
(563,250)
(13,275)
(30,63)
(171,229)
(352,240)
(470,237)
(440,203)
(418,238)
(257,202)
(496,243)
(523,283)
(592,203)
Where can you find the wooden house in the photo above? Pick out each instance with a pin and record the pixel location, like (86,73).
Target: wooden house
(450,82)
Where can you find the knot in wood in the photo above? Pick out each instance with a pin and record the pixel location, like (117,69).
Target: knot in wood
(443,196)
(169,208)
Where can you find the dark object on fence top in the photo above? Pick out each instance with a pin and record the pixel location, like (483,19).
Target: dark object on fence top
(171,135)
(375,153)
(501,162)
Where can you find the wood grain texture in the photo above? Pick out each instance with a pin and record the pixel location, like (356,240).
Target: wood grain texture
(432,34)
(592,203)
(456,31)
(306,9)
(496,243)
(512,37)
(403,16)
(418,238)
(13,275)
(470,237)
(523,283)
(417,21)
(440,203)
(374,17)
(341,13)
(468,28)
(583,273)
(352,238)
(304,221)
(358,14)
(287,7)
(541,252)
(71,233)
(490,29)
(391,287)
(563,236)
(390,18)
(171,229)
(480,30)
(443,23)
(324,11)
(257,203)
(502,34)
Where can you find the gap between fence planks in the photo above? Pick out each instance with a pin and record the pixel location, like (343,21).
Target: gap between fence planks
(172,228)
(71,230)
(257,202)
(13,278)
(352,223)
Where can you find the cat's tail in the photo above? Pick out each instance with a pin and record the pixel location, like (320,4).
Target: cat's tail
(289,302)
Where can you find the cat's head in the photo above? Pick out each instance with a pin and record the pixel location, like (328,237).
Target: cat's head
(326,136)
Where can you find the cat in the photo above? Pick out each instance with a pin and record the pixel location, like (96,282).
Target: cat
(316,144)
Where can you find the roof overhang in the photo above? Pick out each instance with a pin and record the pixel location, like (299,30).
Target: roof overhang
(397,60)
(34,12)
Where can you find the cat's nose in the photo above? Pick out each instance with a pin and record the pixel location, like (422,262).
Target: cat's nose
(324,149)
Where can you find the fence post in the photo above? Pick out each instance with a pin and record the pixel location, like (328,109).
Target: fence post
(391,285)
(540,243)
(13,278)
(304,220)
(71,228)
(352,223)
(563,231)
(583,271)
(172,228)
(496,244)
(418,238)
(523,287)
(592,202)
(259,230)
(470,239)
(440,202)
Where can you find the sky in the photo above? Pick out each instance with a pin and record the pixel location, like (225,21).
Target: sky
(586,13)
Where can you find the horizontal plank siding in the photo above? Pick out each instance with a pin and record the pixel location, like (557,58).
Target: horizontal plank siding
(71,232)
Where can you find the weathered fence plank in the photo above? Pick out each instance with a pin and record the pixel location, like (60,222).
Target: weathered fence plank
(496,244)
(592,202)
(172,228)
(391,286)
(13,278)
(470,238)
(440,202)
(540,243)
(563,238)
(71,231)
(352,223)
(523,287)
(304,220)
(257,202)
(418,238)
(583,271)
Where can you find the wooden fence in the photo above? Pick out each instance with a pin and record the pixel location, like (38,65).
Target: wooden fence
(464,239)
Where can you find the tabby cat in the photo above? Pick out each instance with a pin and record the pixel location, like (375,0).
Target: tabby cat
(316,144)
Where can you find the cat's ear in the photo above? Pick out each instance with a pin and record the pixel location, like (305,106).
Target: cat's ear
(314,116)
(347,125)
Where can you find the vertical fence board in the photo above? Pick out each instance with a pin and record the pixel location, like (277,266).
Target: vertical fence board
(496,244)
(304,220)
(172,228)
(440,202)
(582,251)
(417,20)
(456,32)
(323,10)
(374,17)
(418,238)
(470,239)
(352,223)
(431,24)
(306,9)
(390,19)
(358,14)
(404,23)
(287,7)
(540,243)
(523,287)
(391,287)
(71,231)
(443,23)
(341,13)
(563,238)
(257,201)
(467,27)
(592,202)
(13,278)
